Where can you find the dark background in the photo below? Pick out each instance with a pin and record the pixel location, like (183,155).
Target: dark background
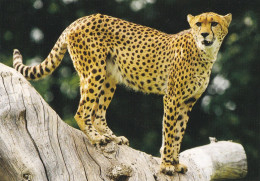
(228,110)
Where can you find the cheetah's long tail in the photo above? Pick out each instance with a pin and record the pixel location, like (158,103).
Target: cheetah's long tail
(47,66)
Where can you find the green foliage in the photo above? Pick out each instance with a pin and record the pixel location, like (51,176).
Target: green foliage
(228,110)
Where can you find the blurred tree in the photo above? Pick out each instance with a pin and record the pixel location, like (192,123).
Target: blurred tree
(229,109)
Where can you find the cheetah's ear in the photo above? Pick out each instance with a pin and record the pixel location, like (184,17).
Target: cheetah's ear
(190,18)
(228,18)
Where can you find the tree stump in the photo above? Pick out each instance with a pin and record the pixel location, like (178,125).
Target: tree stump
(35,144)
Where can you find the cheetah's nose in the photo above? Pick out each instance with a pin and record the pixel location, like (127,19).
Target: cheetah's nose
(204,34)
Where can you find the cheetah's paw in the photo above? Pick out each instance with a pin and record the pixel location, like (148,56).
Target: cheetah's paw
(167,169)
(121,140)
(180,168)
(101,140)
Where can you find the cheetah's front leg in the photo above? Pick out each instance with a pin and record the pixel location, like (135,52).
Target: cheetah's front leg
(174,124)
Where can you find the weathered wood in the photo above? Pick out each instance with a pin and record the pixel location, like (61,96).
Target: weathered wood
(35,144)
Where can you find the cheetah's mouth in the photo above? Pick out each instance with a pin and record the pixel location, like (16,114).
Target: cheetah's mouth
(207,43)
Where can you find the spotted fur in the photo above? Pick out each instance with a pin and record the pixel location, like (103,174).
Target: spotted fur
(106,51)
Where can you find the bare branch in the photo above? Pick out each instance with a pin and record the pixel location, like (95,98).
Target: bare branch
(35,144)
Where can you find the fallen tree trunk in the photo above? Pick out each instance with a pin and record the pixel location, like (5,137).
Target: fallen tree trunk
(35,144)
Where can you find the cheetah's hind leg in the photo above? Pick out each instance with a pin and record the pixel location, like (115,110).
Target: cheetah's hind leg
(90,89)
(106,94)
(84,118)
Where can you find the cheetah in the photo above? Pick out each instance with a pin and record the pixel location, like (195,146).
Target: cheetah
(107,51)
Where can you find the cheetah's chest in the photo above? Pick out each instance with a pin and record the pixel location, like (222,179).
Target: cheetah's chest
(201,85)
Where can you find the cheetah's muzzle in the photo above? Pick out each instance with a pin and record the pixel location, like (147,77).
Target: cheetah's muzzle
(207,43)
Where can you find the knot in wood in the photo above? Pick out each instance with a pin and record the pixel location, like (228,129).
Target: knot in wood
(27,177)
(119,172)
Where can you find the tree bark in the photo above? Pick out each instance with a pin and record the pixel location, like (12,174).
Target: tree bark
(35,144)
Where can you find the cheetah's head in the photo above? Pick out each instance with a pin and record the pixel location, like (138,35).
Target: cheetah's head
(209,29)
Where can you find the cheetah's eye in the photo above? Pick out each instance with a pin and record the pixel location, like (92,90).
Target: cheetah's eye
(198,24)
(214,24)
